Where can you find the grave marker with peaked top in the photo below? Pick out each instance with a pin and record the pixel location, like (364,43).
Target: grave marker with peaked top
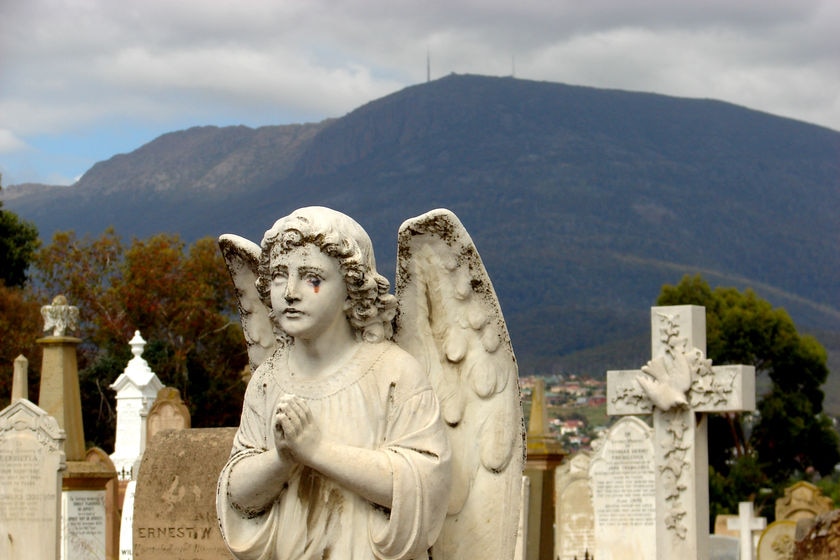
(31,461)
(678,386)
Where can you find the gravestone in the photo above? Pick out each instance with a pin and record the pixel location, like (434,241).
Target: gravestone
(821,540)
(31,465)
(747,525)
(722,547)
(136,388)
(622,481)
(127,523)
(175,498)
(722,523)
(167,413)
(677,387)
(778,541)
(802,500)
(574,522)
(83,530)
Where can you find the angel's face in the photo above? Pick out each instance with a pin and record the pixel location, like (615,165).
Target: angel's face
(308,293)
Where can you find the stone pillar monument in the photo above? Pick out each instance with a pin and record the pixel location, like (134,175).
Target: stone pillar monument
(136,390)
(59,395)
(88,529)
(544,456)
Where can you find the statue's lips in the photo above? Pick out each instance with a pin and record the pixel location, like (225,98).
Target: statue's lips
(291,312)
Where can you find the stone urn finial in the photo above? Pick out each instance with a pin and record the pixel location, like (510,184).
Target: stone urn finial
(59,316)
(137,344)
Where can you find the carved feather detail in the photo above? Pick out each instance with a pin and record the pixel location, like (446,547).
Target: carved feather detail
(242,257)
(450,320)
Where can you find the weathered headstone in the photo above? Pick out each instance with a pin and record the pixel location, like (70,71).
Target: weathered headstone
(113,511)
(175,498)
(136,388)
(31,465)
(677,386)
(622,479)
(574,522)
(747,526)
(821,539)
(802,500)
(778,541)
(167,413)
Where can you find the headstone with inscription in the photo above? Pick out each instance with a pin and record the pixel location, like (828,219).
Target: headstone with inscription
(574,521)
(31,465)
(623,483)
(175,498)
(83,531)
(677,386)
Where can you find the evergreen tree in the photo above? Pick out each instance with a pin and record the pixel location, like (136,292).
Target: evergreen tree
(18,243)
(791,435)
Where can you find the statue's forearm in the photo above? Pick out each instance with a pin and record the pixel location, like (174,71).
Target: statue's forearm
(256,481)
(366,472)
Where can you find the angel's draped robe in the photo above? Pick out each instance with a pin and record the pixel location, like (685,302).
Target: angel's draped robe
(379,400)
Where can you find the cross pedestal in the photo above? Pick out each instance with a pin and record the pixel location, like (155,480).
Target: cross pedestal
(679,386)
(746,524)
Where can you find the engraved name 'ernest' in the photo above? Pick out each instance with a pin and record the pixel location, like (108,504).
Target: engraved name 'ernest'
(200,533)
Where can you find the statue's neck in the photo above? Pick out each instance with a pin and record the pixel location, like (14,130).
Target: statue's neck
(314,358)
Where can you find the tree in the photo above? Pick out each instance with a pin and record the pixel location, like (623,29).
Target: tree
(181,299)
(20,326)
(18,243)
(792,436)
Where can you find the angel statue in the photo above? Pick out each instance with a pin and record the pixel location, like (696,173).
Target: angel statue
(375,426)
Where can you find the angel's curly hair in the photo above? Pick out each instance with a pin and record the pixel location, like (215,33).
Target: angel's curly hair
(370,308)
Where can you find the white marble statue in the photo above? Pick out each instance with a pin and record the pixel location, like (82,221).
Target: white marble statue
(350,445)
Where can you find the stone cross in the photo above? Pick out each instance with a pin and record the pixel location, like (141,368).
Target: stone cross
(678,386)
(745,525)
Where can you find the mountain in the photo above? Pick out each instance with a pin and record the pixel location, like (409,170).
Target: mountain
(582,201)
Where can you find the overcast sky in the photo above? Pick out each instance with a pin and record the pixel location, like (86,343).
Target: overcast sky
(82,80)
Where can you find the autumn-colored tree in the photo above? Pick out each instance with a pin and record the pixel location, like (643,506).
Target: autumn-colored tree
(180,299)
(20,327)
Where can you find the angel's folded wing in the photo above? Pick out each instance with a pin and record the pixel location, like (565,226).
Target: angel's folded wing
(449,318)
(242,257)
